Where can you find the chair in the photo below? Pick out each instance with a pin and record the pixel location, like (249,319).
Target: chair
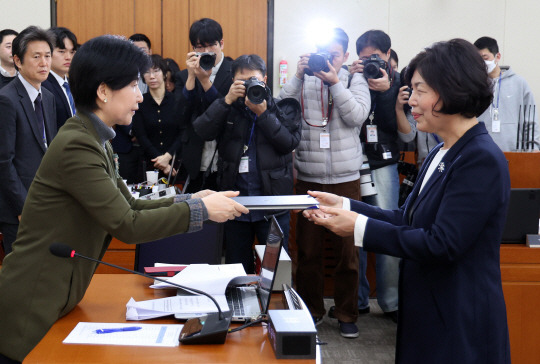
(203,246)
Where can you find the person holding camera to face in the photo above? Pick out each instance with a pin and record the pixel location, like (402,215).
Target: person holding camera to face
(380,138)
(328,158)
(256,136)
(206,78)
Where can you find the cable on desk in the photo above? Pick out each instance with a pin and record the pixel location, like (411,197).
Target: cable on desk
(248,324)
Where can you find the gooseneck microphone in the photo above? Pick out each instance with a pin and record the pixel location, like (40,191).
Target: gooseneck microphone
(208,329)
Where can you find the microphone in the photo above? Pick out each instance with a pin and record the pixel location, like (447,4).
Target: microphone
(211,328)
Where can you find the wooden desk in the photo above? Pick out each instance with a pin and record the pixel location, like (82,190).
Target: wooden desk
(105,301)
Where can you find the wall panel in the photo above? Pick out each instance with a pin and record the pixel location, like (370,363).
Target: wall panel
(176,30)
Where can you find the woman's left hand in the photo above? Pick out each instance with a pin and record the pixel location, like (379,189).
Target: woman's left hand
(339,221)
(162,162)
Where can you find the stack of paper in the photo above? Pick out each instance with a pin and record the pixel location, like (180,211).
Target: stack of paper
(191,305)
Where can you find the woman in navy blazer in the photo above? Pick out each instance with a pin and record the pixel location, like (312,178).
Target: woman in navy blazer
(451,303)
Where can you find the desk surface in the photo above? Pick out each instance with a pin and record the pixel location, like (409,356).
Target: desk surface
(105,301)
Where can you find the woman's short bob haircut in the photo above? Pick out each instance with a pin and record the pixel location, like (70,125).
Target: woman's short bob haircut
(457,72)
(107,59)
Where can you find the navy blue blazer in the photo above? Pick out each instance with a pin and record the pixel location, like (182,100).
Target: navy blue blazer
(451,303)
(21,145)
(63,110)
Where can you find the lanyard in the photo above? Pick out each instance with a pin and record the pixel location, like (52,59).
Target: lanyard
(250,136)
(330,107)
(499,92)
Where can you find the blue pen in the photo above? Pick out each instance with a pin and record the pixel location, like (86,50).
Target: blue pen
(120,329)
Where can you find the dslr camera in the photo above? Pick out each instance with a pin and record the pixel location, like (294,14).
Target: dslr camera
(372,66)
(317,62)
(255,90)
(206,60)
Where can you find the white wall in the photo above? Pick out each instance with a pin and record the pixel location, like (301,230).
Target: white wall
(18,14)
(414,24)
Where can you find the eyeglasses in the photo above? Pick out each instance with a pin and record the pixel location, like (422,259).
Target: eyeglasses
(202,48)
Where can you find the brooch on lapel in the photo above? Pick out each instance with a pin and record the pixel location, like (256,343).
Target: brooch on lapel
(441,167)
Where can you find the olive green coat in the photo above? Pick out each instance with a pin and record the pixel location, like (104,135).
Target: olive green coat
(77,198)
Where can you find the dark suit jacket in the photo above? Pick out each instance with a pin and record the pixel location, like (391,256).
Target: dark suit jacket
(21,145)
(63,110)
(451,303)
(192,143)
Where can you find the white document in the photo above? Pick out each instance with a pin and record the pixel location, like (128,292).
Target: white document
(148,335)
(212,279)
(144,310)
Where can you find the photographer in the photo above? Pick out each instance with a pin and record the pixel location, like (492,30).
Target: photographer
(256,137)
(380,138)
(328,158)
(200,87)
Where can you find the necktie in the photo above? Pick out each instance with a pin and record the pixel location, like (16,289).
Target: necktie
(70,98)
(41,120)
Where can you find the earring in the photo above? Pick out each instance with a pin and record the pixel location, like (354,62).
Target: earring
(105,100)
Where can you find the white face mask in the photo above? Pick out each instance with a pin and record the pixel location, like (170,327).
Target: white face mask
(490,65)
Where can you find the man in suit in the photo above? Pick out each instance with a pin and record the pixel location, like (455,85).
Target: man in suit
(27,127)
(65,46)
(200,88)
(7,68)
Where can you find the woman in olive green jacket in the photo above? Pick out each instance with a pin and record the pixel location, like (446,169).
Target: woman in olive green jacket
(78,198)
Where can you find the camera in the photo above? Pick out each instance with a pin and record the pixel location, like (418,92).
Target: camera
(206,60)
(372,66)
(255,90)
(317,63)
(410,172)
(367,186)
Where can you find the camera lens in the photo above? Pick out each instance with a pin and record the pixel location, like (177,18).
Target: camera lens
(256,94)
(317,62)
(372,70)
(207,60)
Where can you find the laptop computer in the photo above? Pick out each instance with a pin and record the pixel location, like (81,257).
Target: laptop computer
(249,296)
(247,303)
(523,214)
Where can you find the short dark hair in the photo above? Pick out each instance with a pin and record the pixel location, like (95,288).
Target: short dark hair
(205,31)
(6,32)
(139,37)
(157,61)
(172,65)
(59,34)
(338,36)
(393,55)
(373,38)
(107,59)
(489,43)
(248,62)
(455,70)
(29,34)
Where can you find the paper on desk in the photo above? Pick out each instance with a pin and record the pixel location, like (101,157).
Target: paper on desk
(212,279)
(149,335)
(191,304)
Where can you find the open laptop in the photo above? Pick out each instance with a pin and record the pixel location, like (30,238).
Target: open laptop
(249,296)
(249,302)
(523,214)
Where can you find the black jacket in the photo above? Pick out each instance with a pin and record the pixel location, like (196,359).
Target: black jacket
(384,104)
(63,110)
(277,134)
(192,144)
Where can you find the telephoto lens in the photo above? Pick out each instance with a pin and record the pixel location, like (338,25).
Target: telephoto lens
(317,63)
(255,90)
(367,186)
(207,60)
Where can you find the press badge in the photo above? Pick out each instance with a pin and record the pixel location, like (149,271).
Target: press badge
(244,165)
(495,121)
(324,140)
(371,131)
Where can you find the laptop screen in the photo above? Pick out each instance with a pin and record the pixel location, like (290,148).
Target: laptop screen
(523,214)
(270,263)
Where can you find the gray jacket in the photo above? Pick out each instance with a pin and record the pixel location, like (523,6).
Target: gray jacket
(351,104)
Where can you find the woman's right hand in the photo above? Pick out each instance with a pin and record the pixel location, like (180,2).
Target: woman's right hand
(221,208)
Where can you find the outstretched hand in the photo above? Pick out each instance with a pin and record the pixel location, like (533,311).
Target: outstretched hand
(337,220)
(221,208)
(327,199)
